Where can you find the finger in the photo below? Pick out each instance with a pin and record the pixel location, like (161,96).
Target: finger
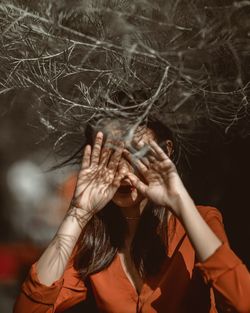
(109,147)
(167,165)
(116,157)
(86,157)
(119,175)
(97,149)
(137,183)
(155,166)
(143,152)
(142,148)
(158,150)
(128,156)
(138,137)
(141,155)
(142,167)
(139,144)
(145,161)
(152,159)
(105,154)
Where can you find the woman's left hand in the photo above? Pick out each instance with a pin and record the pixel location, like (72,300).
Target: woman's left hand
(162,183)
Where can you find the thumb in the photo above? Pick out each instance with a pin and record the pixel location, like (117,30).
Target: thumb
(137,183)
(117,179)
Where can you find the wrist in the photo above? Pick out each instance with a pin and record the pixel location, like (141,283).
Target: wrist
(82,212)
(181,203)
(79,215)
(81,207)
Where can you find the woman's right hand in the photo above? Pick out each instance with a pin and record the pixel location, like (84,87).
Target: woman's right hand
(99,177)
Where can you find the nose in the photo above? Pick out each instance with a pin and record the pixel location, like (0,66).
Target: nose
(125,167)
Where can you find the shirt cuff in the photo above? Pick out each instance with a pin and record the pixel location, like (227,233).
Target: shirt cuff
(221,261)
(39,292)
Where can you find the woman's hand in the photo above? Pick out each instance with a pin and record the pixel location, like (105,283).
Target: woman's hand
(97,182)
(99,178)
(162,183)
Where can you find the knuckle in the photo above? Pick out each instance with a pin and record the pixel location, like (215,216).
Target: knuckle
(98,143)
(95,154)
(167,162)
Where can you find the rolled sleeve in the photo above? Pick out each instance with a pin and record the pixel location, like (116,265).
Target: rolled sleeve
(41,293)
(220,262)
(224,271)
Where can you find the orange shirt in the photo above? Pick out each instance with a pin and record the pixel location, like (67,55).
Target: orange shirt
(183,285)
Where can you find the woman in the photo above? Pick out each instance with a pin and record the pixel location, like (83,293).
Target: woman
(134,238)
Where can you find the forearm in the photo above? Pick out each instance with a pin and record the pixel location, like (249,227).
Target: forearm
(52,263)
(203,239)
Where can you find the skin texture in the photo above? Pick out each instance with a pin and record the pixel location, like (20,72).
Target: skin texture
(97,183)
(153,177)
(98,178)
(164,187)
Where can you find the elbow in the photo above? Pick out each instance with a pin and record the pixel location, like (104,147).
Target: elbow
(238,301)
(243,307)
(243,299)
(240,305)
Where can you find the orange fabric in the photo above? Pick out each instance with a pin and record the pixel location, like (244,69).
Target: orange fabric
(182,286)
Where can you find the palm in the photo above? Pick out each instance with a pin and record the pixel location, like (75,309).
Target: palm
(162,183)
(98,178)
(95,184)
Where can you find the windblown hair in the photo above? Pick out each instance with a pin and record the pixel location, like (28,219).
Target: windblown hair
(104,234)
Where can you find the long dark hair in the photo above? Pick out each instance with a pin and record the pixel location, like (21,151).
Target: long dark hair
(104,234)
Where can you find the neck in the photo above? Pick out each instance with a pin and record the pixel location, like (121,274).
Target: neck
(134,212)
(132,215)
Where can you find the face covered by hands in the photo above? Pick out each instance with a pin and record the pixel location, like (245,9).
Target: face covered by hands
(146,169)
(155,176)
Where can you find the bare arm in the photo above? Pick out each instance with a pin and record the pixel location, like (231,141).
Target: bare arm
(97,182)
(221,268)
(204,240)
(165,188)
(52,263)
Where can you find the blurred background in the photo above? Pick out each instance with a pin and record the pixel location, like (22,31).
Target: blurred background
(33,199)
